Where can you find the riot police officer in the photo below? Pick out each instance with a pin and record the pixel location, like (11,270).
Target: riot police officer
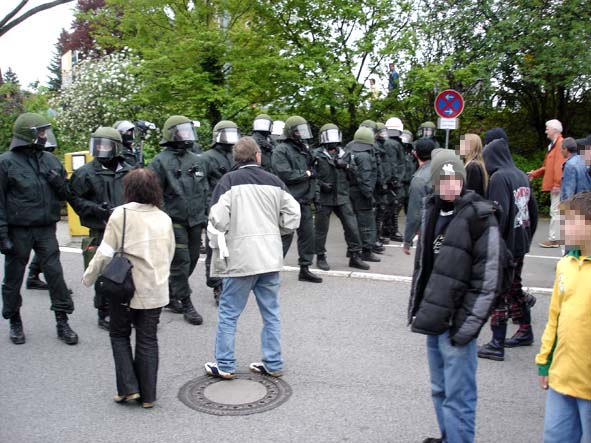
(95,190)
(428,130)
(183,177)
(362,189)
(294,164)
(261,132)
(393,145)
(127,131)
(219,161)
(32,189)
(411,164)
(333,167)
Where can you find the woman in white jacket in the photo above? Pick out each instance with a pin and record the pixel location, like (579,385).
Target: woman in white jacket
(149,245)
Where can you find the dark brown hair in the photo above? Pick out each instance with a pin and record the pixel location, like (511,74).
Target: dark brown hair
(142,186)
(579,203)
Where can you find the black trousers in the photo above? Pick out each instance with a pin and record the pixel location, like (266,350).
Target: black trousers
(139,374)
(184,261)
(348,220)
(305,237)
(43,241)
(35,265)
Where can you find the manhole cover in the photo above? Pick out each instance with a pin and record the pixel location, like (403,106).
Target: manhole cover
(245,394)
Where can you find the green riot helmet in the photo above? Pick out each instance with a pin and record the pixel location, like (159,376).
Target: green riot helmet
(106,144)
(330,135)
(406,137)
(127,131)
(262,123)
(369,124)
(381,131)
(34,130)
(427,130)
(178,132)
(225,133)
(364,136)
(297,129)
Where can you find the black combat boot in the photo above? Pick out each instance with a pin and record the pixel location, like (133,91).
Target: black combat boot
(306,275)
(190,313)
(356,262)
(175,306)
(523,337)
(378,248)
(367,255)
(64,332)
(103,319)
(494,350)
(322,263)
(34,282)
(17,335)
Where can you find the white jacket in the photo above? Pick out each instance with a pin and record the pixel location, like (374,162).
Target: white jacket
(149,245)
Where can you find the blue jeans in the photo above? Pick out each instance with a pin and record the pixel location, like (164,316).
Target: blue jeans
(232,302)
(568,419)
(453,387)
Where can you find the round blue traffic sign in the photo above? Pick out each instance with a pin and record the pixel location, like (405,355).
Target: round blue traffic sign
(449,104)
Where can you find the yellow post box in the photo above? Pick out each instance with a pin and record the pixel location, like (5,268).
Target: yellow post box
(74,160)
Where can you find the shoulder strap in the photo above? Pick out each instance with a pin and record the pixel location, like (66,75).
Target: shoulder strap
(123,235)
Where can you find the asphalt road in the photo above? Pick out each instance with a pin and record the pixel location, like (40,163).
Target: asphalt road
(357,373)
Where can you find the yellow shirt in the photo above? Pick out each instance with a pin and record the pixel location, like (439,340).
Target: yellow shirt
(565,353)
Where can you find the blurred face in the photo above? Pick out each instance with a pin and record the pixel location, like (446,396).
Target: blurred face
(551,133)
(449,187)
(576,229)
(464,148)
(586,154)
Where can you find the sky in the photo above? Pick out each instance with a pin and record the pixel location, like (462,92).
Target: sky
(29,47)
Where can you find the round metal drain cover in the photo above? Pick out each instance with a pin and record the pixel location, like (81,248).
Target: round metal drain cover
(245,394)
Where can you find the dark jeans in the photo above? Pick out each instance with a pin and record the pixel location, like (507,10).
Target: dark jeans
(43,241)
(184,261)
(305,237)
(348,220)
(137,375)
(35,265)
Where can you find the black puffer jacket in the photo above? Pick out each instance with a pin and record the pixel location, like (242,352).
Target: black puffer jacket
(456,290)
(510,188)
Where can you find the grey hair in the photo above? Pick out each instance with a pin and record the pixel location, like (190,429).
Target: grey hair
(245,150)
(554,124)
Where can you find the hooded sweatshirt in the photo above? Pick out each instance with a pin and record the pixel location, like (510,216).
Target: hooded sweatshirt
(510,188)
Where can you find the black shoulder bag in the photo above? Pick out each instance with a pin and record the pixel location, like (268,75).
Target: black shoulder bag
(116,281)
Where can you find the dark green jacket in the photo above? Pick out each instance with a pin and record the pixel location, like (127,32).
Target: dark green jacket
(290,163)
(91,186)
(26,196)
(183,177)
(366,171)
(267,145)
(384,163)
(219,162)
(397,160)
(328,174)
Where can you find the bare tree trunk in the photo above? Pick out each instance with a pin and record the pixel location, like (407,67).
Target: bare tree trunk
(7,23)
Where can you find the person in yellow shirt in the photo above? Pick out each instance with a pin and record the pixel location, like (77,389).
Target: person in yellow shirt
(564,361)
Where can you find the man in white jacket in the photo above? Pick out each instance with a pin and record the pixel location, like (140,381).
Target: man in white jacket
(250,210)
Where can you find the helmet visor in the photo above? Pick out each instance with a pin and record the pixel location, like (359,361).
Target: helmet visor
(394,133)
(277,127)
(330,136)
(428,132)
(406,138)
(104,148)
(262,124)
(183,132)
(45,137)
(382,134)
(227,136)
(301,132)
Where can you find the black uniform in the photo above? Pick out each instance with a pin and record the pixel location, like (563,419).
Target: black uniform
(94,191)
(291,160)
(32,189)
(267,145)
(183,177)
(333,196)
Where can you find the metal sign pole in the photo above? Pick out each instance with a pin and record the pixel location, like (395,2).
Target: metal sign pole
(446,138)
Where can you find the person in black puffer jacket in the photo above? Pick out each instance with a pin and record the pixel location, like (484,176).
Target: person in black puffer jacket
(451,303)
(510,188)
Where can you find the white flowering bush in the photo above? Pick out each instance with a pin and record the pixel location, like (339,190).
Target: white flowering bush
(103,91)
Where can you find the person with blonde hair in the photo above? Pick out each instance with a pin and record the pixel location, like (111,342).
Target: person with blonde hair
(471,152)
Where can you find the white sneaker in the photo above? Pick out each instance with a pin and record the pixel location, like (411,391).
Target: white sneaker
(212,369)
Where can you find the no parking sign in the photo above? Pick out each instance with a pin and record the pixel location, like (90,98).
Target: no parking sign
(449,104)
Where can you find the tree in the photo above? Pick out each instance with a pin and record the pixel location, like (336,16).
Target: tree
(11,20)
(11,77)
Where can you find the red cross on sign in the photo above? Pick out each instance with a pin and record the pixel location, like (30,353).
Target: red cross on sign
(449,104)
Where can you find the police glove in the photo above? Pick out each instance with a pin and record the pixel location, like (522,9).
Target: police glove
(326,187)
(102,211)
(341,164)
(6,246)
